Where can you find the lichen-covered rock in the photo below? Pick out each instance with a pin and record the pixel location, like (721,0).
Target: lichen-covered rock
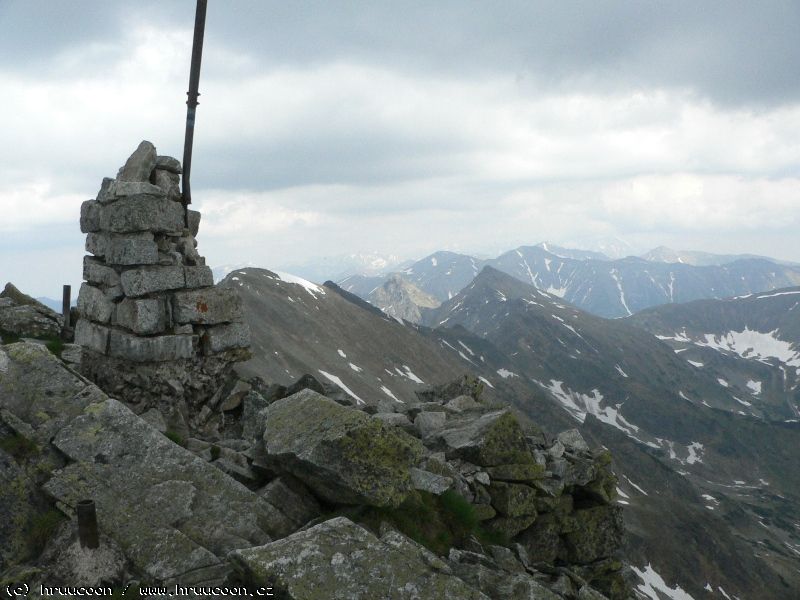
(495,438)
(593,533)
(342,454)
(513,499)
(340,560)
(27,321)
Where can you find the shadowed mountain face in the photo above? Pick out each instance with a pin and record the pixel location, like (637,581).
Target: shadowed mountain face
(596,284)
(724,486)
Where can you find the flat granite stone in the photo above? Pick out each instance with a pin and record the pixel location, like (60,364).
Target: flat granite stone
(94,305)
(218,338)
(149,349)
(144,212)
(144,316)
(350,563)
(207,306)
(155,498)
(132,249)
(146,280)
(91,335)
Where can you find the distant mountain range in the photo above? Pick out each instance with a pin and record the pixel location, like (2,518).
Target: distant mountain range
(593,282)
(706,457)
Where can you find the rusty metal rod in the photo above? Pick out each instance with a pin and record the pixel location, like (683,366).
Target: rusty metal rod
(87,524)
(191,102)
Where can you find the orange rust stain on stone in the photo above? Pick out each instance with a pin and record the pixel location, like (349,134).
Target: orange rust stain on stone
(202,306)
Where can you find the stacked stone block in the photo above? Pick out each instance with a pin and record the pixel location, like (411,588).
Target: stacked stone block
(149,310)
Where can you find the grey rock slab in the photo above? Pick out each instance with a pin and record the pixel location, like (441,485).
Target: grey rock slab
(28,321)
(168,163)
(133,472)
(293,499)
(149,349)
(147,280)
(142,315)
(17,496)
(429,422)
(98,273)
(396,420)
(234,398)
(572,438)
(490,439)
(430,482)
(120,189)
(349,563)
(94,305)
(90,216)
(131,249)
(106,193)
(207,306)
(169,183)
(142,213)
(96,243)
(198,276)
(140,164)
(91,335)
(72,354)
(226,337)
(194,222)
(462,403)
(343,455)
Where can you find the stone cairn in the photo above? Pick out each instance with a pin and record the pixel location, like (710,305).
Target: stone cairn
(154,329)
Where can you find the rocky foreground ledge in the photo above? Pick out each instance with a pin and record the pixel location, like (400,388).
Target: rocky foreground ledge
(445,498)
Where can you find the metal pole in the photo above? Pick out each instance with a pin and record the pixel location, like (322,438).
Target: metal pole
(66,301)
(191,102)
(87,524)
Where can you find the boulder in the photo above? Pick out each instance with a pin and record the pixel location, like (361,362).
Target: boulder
(198,276)
(90,216)
(167,163)
(349,563)
(98,273)
(342,454)
(494,438)
(140,164)
(293,499)
(146,280)
(429,422)
(513,499)
(94,305)
(593,533)
(28,321)
(432,483)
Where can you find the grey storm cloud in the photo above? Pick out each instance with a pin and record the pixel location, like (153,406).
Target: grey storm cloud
(734,52)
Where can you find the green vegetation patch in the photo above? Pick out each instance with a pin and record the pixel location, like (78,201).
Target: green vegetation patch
(18,446)
(53,343)
(175,437)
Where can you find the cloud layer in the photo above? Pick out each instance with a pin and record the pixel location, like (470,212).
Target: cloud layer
(324,130)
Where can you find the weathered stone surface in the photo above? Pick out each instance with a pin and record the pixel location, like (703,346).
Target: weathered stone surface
(226,337)
(169,183)
(572,438)
(144,316)
(293,499)
(207,306)
(106,193)
(96,272)
(199,276)
(513,499)
(146,280)
(350,563)
(72,354)
(17,493)
(430,482)
(168,163)
(429,422)
(140,164)
(342,454)
(96,243)
(487,576)
(131,249)
(155,498)
(194,222)
(120,189)
(28,321)
(90,216)
(94,305)
(462,403)
(396,420)
(494,438)
(92,336)
(149,349)
(523,472)
(142,213)
(235,396)
(593,533)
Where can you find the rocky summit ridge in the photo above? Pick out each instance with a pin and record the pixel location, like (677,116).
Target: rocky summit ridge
(202,477)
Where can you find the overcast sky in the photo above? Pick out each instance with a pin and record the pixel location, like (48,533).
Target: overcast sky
(406,127)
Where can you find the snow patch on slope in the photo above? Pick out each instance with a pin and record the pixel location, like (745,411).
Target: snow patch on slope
(311,288)
(653,583)
(337,381)
(753,345)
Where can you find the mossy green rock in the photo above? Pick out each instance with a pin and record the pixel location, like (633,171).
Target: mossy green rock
(16,510)
(342,454)
(594,533)
(495,438)
(513,499)
(516,472)
(340,560)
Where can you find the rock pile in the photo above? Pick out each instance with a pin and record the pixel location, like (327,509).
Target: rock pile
(23,316)
(305,494)
(155,330)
